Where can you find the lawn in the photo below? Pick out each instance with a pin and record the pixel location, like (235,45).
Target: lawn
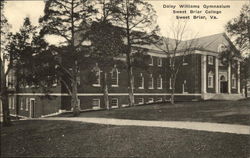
(233,112)
(66,139)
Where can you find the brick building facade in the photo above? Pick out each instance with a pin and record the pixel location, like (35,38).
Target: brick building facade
(201,77)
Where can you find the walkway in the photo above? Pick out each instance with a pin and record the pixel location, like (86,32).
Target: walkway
(200,126)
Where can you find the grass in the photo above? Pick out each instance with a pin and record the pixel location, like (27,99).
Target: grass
(233,112)
(69,139)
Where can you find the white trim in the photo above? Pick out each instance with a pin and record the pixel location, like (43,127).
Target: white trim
(203,74)
(184,87)
(229,77)
(160,82)
(142,82)
(98,106)
(151,61)
(117,77)
(216,75)
(238,79)
(159,62)
(140,100)
(100,94)
(234,81)
(210,60)
(152,83)
(150,100)
(30,107)
(27,104)
(210,76)
(117,104)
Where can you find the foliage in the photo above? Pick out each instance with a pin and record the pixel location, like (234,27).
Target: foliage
(239,28)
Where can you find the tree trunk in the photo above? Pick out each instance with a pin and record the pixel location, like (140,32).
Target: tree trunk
(74,97)
(131,87)
(173,90)
(105,92)
(74,100)
(4,97)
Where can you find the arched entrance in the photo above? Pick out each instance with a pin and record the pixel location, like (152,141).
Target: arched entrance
(223,84)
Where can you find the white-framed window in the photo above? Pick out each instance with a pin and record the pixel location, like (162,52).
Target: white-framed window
(11,79)
(141,82)
(210,60)
(27,104)
(151,61)
(114,77)
(150,100)
(159,62)
(159,99)
(13,102)
(233,81)
(98,76)
(184,87)
(159,82)
(170,83)
(184,61)
(140,100)
(114,102)
(21,104)
(10,102)
(210,79)
(151,82)
(96,103)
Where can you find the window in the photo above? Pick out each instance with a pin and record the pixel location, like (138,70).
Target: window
(114,102)
(27,104)
(140,100)
(221,63)
(233,81)
(159,100)
(159,62)
(170,83)
(151,62)
(97,72)
(210,60)
(13,102)
(151,82)
(114,77)
(141,82)
(150,100)
(10,102)
(96,103)
(210,79)
(184,87)
(159,82)
(21,104)
(184,61)
(10,79)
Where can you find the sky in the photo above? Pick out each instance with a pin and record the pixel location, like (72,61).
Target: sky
(16,11)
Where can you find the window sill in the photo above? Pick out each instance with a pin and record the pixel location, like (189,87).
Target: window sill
(96,107)
(151,88)
(114,86)
(140,87)
(96,85)
(184,64)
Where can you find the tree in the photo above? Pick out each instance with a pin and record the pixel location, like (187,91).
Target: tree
(137,17)
(4,67)
(69,20)
(175,50)
(239,29)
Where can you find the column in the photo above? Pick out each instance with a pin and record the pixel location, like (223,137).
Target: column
(238,79)
(203,74)
(216,75)
(229,77)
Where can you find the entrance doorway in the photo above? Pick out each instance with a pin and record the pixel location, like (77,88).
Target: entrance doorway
(223,85)
(32,107)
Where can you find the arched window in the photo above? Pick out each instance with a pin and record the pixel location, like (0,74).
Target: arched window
(114,77)
(210,79)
